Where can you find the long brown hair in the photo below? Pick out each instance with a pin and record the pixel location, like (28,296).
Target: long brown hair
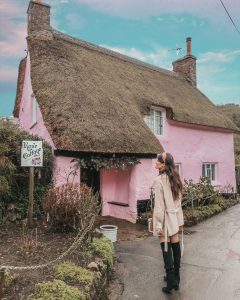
(173,175)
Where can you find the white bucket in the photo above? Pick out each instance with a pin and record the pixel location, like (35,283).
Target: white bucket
(109,231)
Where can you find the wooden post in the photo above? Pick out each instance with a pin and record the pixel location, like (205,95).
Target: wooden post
(31,200)
(2,275)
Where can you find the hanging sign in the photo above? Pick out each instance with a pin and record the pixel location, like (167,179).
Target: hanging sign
(32,154)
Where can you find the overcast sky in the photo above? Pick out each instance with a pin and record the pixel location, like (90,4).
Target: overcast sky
(144,29)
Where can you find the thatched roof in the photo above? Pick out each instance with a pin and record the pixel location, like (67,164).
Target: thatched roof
(93,99)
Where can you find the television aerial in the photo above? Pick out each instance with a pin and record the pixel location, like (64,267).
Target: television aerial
(178,49)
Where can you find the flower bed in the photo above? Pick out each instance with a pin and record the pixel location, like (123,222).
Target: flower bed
(82,277)
(198,214)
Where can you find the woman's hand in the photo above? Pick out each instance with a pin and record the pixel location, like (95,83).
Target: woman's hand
(159,232)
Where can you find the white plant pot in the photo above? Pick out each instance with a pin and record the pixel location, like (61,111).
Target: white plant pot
(109,231)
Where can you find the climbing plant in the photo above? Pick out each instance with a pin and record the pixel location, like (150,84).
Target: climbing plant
(97,162)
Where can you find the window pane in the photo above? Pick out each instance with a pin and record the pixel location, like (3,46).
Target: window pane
(155,121)
(209,170)
(203,170)
(161,125)
(177,168)
(152,120)
(157,126)
(213,171)
(208,173)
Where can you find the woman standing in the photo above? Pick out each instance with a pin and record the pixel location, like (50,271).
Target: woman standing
(168,218)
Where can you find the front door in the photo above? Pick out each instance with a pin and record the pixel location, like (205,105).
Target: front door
(91,178)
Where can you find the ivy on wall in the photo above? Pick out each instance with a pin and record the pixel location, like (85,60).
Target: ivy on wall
(97,162)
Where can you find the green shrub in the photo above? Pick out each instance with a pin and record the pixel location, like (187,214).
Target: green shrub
(193,216)
(56,290)
(104,248)
(73,274)
(14,179)
(197,194)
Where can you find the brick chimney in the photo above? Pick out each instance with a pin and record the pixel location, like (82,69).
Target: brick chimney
(186,66)
(38,16)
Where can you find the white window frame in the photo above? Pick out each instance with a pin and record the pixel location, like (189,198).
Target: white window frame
(151,120)
(179,168)
(34,111)
(207,170)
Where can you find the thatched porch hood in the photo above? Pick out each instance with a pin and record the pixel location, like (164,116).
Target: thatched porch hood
(94,100)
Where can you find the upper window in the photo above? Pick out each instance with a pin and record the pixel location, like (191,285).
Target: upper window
(209,170)
(155,121)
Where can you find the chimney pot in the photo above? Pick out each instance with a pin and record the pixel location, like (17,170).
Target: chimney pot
(189,46)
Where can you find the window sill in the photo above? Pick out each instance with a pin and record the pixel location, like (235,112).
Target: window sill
(159,135)
(118,203)
(33,125)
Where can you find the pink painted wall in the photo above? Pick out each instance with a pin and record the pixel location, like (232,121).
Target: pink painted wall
(62,167)
(65,171)
(192,147)
(119,186)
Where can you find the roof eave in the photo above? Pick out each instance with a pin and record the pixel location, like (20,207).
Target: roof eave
(70,153)
(206,127)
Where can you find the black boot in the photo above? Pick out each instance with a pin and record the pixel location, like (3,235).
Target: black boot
(176,249)
(168,265)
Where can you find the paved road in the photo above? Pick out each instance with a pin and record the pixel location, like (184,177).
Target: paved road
(210,266)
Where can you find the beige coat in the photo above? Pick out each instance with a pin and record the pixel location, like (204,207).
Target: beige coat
(168,218)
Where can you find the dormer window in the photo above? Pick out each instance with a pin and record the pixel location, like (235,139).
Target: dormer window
(155,120)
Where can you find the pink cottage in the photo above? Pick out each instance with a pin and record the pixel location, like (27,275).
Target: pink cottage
(91,103)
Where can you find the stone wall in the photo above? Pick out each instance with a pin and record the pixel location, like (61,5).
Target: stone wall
(186,67)
(38,16)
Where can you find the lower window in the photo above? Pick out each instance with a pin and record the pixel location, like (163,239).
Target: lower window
(178,168)
(209,170)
